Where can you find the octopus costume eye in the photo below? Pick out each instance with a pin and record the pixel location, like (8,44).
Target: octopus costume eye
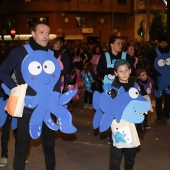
(49,67)
(161,62)
(168,61)
(35,68)
(133,93)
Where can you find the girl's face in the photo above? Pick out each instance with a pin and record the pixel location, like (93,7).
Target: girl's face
(123,73)
(57,45)
(116,46)
(131,50)
(143,76)
(97,50)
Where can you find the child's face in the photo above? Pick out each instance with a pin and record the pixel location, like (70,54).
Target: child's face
(143,76)
(131,50)
(123,73)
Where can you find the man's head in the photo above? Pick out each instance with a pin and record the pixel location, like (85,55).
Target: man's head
(41,33)
(122,70)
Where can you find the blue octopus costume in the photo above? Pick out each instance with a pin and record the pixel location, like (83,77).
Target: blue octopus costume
(37,67)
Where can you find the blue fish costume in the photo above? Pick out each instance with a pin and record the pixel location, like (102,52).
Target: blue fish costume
(132,108)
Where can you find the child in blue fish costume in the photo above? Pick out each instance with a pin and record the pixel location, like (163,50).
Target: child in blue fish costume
(88,77)
(120,109)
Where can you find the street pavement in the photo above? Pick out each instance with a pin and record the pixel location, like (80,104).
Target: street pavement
(87,149)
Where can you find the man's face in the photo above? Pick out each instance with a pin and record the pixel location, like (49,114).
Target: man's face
(41,35)
(163,44)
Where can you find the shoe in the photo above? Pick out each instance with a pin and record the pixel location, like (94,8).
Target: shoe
(158,123)
(86,106)
(165,121)
(147,127)
(3,162)
(90,106)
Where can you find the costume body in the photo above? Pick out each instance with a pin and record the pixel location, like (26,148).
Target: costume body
(105,67)
(120,145)
(13,62)
(162,84)
(89,79)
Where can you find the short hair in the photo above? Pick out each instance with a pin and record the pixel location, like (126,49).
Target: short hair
(34,28)
(120,62)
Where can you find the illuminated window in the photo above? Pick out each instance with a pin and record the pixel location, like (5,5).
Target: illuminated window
(32,21)
(80,22)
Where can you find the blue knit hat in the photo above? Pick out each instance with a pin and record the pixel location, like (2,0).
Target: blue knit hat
(120,62)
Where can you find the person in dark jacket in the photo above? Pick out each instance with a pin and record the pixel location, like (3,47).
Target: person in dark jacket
(162,102)
(107,60)
(38,41)
(59,52)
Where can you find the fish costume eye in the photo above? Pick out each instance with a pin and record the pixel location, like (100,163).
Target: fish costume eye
(35,68)
(161,62)
(133,93)
(49,67)
(168,61)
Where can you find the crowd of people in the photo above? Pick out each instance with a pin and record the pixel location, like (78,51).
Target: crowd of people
(95,67)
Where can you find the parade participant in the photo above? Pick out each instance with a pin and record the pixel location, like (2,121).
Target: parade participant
(131,51)
(89,78)
(95,57)
(162,83)
(121,108)
(122,72)
(146,89)
(107,60)
(38,41)
(64,59)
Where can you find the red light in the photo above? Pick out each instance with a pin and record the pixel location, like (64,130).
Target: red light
(13,31)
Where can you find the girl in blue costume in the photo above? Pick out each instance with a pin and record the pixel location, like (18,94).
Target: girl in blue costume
(89,78)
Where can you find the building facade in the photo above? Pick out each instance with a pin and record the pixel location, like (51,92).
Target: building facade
(84,20)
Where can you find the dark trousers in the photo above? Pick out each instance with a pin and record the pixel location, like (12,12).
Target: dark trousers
(163,112)
(88,97)
(116,155)
(23,142)
(5,136)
